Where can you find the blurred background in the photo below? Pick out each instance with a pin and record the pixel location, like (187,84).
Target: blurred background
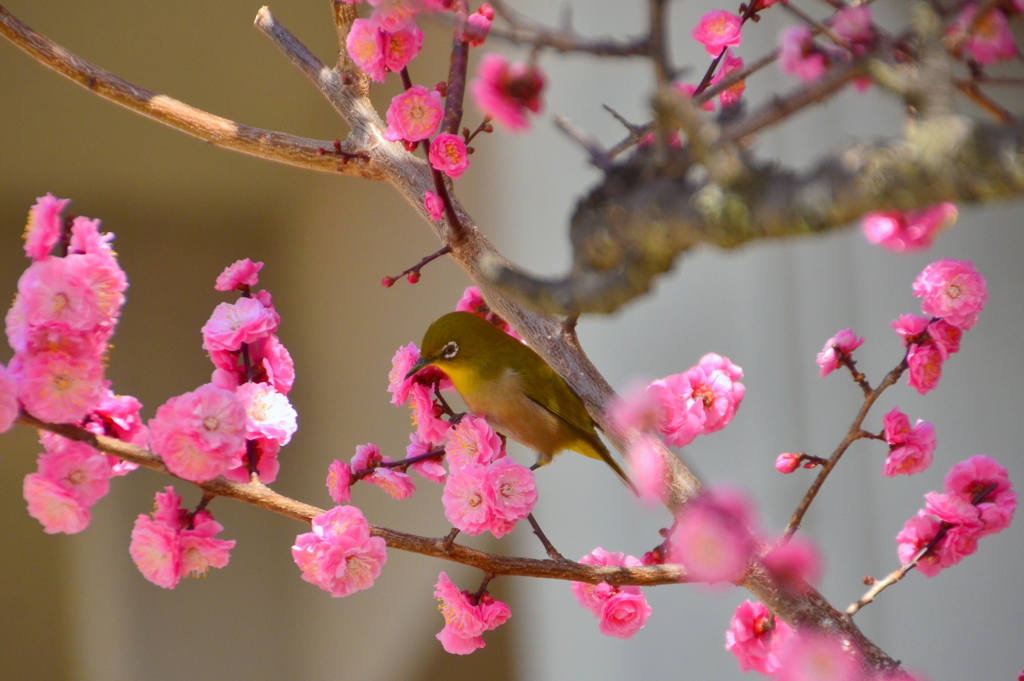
(75,607)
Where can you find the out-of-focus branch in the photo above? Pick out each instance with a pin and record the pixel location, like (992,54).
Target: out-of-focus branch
(221,132)
(523,31)
(260,495)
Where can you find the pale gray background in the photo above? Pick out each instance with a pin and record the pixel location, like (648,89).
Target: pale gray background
(76,608)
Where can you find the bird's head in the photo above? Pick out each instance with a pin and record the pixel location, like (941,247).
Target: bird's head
(455,343)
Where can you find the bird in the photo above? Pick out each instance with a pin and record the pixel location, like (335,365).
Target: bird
(509,384)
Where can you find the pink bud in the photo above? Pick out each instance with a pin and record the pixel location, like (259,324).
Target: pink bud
(787,462)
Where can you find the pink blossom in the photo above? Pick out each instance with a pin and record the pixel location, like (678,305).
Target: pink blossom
(79,469)
(44,226)
(505,92)
(755,637)
(647,469)
(916,534)
(54,506)
(636,407)
(953,290)
(200,551)
(847,341)
(60,388)
(924,364)
(624,614)
(731,95)
(268,413)
(701,400)
(87,239)
(799,55)
(8,400)
(717,29)
(200,434)
(54,290)
(472,301)
(952,509)
(972,477)
(434,205)
(593,596)
(473,441)
(425,415)
(245,321)
(513,492)
(339,555)
(366,456)
(712,539)
(398,385)
(392,15)
(478,25)
(787,462)
(911,449)
(240,275)
(448,154)
(814,657)
(267,464)
(794,564)
(414,114)
(118,416)
(906,231)
(688,90)
(945,336)
(991,41)
(397,484)
(464,621)
(431,468)
(339,482)
(401,46)
(468,501)
(854,24)
(156,551)
(365,44)
(908,327)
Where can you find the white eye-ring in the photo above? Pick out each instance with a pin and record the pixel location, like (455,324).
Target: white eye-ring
(450,350)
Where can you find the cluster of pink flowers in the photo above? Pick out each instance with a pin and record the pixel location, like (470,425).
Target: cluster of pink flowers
(339,555)
(802,57)
(845,342)
(978,501)
(622,610)
(390,38)
(486,490)
(466,617)
(63,316)
(699,401)
(244,411)
(755,636)
(906,231)
(173,543)
(910,448)
(991,41)
(71,477)
(953,294)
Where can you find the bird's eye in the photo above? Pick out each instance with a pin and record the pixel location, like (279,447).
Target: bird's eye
(450,350)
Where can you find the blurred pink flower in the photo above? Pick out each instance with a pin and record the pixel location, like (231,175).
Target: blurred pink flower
(906,231)
(799,55)
(717,29)
(365,44)
(712,537)
(992,40)
(795,564)
(44,226)
(506,92)
(647,469)
(810,656)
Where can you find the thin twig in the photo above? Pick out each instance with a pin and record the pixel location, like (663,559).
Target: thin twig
(524,31)
(548,546)
(589,143)
(413,273)
(262,496)
(814,23)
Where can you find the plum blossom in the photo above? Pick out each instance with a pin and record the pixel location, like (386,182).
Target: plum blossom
(414,114)
(473,441)
(907,231)
(701,400)
(810,656)
(339,482)
(397,484)
(468,499)
(917,533)
(448,154)
(268,413)
(953,290)
(622,610)
(711,537)
(647,469)
(991,41)
(240,275)
(478,25)
(8,400)
(974,476)
(624,614)
(430,468)
(392,15)
(755,636)
(787,462)
(425,415)
(247,320)
(800,55)
(365,44)
(339,555)
(507,91)
(689,90)
(401,46)
(513,491)
(732,94)
(58,387)
(910,449)
(472,301)
(828,359)
(172,543)
(465,621)
(794,564)
(53,506)
(42,232)
(434,205)
(716,30)
(854,25)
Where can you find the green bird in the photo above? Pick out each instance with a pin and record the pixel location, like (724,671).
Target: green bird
(510,385)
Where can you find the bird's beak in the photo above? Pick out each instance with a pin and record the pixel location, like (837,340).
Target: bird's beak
(420,364)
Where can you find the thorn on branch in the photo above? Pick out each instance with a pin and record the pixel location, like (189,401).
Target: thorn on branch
(413,273)
(345,156)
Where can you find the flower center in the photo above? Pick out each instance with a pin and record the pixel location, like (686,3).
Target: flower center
(211,423)
(705,395)
(953,291)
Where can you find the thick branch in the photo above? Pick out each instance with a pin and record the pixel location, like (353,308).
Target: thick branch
(273,146)
(262,496)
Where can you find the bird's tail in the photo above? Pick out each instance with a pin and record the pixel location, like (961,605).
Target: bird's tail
(595,449)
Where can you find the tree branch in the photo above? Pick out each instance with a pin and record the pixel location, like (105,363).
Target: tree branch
(523,31)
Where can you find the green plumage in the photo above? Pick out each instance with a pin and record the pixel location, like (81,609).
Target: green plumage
(509,384)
